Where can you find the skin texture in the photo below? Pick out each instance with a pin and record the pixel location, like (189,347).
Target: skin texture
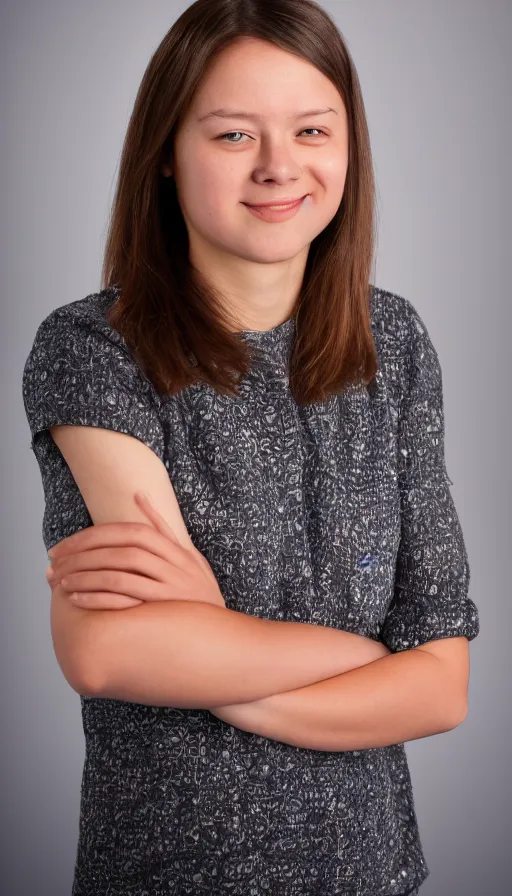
(259,266)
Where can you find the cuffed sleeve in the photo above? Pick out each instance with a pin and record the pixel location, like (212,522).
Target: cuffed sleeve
(79,371)
(432,577)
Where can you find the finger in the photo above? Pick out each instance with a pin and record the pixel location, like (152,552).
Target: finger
(135,560)
(156,518)
(161,524)
(120,582)
(103,600)
(105,535)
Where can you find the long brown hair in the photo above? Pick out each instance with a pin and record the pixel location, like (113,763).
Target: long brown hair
(173,321)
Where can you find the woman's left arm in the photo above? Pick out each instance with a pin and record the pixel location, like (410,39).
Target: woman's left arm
(400,697)
(420,689)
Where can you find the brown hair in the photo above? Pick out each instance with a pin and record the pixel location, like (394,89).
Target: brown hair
(175,323)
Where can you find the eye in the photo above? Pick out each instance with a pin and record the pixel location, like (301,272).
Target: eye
(230,134)
(223,136)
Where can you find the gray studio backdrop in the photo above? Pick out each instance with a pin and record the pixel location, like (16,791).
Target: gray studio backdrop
(436,79)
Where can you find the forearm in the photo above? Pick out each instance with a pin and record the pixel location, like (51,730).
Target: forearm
(198,655)
(400,697)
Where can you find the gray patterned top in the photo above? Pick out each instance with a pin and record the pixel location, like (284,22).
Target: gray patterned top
(338,514)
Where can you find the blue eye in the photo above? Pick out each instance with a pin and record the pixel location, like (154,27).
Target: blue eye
(223,136)
(230,134)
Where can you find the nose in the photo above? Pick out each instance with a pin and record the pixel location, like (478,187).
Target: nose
(278,162)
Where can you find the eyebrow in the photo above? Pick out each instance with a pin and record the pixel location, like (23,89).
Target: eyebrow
(230,113)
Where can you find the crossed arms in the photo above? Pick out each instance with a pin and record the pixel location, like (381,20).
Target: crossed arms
(200,655)
(307,685)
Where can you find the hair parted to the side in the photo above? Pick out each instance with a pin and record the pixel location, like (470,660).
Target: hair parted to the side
(175,324)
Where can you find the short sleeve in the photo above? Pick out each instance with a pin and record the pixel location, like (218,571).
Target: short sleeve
(79,371)
(430,599)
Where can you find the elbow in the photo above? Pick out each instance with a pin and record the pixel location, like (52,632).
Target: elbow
(88,686)
(459,702)
(451,705)
(456,715)
(463,714)
(82,684)
(451,670)
(85,690)
(77,645)
(89,682)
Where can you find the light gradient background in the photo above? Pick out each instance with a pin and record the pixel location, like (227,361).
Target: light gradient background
(436,79)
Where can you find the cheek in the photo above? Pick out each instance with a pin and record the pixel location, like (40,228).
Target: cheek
(332,181)
(210,194)
(319,209)
(331,169)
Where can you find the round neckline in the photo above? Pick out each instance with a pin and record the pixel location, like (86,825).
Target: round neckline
(277,330)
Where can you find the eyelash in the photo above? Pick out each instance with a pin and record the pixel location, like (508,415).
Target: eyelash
(223,136)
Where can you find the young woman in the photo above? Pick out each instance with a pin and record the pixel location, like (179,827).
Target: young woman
(255,643)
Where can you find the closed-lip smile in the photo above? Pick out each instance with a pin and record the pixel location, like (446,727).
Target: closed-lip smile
(276,202)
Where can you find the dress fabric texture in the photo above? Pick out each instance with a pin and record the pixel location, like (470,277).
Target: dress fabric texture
(335,514)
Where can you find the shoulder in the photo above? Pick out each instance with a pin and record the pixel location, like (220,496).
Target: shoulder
(394,318)
(74,324)
(408,358)
(80,366)
(78,337)
(400,332)
(75,350)
(405,350)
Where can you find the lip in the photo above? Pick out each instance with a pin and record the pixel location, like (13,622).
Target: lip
(284,202)
(276,215)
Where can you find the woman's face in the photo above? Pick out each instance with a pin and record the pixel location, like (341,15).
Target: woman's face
(270,154)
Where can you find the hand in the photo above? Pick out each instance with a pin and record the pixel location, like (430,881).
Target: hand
(114,566)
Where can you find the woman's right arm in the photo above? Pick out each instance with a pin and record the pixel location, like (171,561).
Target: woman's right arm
(98,437)
(197,655)
(177,653)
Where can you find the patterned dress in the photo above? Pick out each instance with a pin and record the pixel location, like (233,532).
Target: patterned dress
(337,514)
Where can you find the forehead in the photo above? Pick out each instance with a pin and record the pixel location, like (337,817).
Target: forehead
(264,81)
